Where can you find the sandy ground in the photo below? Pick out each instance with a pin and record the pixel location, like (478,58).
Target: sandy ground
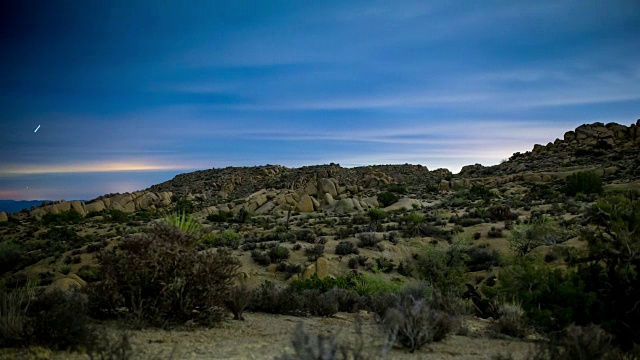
(266,336)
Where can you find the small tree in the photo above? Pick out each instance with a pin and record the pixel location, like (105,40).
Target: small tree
(583,182)
(376,215)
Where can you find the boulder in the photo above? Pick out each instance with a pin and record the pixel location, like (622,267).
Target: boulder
(344,206)
(67,283)
(3,216)
(266,208)
(326,186)
(79,207)
(319,268)
(327,199)
(611,170)
(96,206)
(305,204)
(406,203)
(444,185)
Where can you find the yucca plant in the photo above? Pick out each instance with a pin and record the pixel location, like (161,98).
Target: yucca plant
(185,223)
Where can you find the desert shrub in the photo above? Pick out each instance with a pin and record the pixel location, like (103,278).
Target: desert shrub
(376,216)
(290,269)
(65,217)
(277,300)
(117,216)
(405,269)
(577,342)
(384,265)
(162,277)
(112,347)
(346,248)
(314,252)
(551,298)
(539,231)
(434,232)
(220,217)
(466,222)
(368,283)
(353,263)
(397,188)
(248,246)
(481,259)
(367,240)
(387,198)
(89,273)
(613,265)
(479,192)
(444,266)
(278,253)
(260,257)
(501,213)
(512,320)
(60,320)
(239,298)
(306,235)
(583,182)
(323,285)
(494,232)
(541,192)
(183,206)
(412,223)
(317,303)
(228,238)
(415,323)
(14,320)
(309,346)
(10,256)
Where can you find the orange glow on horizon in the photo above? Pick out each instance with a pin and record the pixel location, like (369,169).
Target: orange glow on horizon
(95,167)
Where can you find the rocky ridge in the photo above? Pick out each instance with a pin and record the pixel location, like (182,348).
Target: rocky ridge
(612,151)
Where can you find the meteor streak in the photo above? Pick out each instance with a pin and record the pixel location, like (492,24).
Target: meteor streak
(36,130)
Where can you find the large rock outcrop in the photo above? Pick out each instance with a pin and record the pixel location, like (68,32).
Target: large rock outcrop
(128,202)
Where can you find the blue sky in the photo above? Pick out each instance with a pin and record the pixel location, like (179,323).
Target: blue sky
(128,95)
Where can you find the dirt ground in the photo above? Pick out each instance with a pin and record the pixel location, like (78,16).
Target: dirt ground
(266,336)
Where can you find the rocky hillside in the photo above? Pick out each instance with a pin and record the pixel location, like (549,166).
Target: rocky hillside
(611,150)
(594,145)
(234,182)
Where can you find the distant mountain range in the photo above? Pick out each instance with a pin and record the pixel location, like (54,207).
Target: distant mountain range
(11,206)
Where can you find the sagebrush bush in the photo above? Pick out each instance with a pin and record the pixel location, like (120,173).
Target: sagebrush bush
(308,346)
(512,320)
(577,343)
(368,240)
(239,298)
(346,248)
(444,266)
(415,323)
(314,252)
(162,277)
(60,320)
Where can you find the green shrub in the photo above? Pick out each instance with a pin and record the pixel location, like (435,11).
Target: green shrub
(220,217)
(60,320)
(117,216)
(65,217)
(346,247)
(228,238)
(376,216)
(387,198)
(14,310)
(10,256)
(397,188)
(162,277)
(184,206)
(443,266)
(539,231)
(416,322)
(583,182)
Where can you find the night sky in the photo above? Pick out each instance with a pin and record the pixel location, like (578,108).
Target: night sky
(130,93)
